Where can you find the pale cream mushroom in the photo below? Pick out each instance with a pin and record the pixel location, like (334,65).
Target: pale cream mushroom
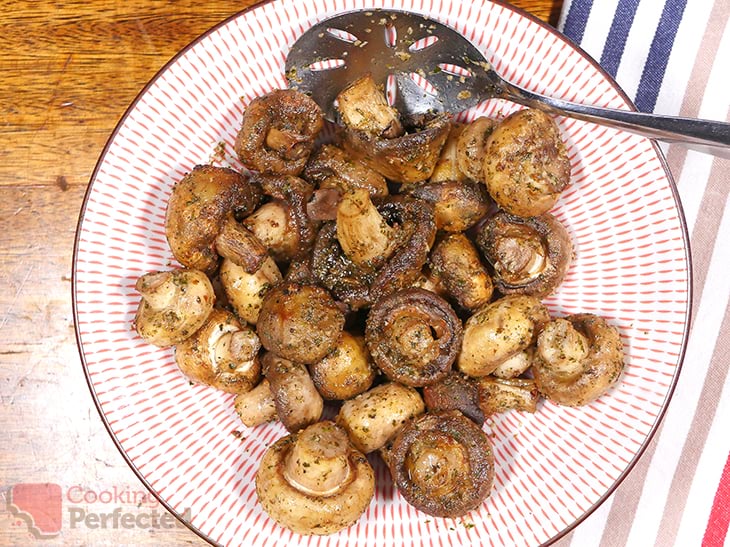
(315,481)
(174,305)
(246,291)
(374,417)
(256,406)
(222,353)
(498,331)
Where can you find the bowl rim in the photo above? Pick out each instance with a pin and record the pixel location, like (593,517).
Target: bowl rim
(505,5)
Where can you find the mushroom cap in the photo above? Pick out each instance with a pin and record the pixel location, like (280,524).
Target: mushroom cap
(295,506)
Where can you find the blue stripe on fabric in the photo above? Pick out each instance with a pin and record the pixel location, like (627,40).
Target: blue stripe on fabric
(613,49)
(575,21)
(658,58)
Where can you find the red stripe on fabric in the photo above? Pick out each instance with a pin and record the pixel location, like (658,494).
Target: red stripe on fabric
(717,524)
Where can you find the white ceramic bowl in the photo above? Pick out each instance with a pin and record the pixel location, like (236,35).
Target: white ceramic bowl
(552,467)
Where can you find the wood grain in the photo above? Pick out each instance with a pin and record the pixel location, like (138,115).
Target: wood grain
(69,70)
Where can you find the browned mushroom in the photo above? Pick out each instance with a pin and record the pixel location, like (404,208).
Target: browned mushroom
(471,145)
(456,264)
(222,353)
(457,205)
(529,255)
(498,331)
(447,166)
(360,286)
(414,336)
(455,391)
(442,464)
(315,482)
(278,132)
(297,401)
(174,305)
(283,224)
(299,322)
(362,107)
(199,204)
(372,418)
(238,244)
(329,167)
(499,395)
(526,164)
(346,371)
(579,358)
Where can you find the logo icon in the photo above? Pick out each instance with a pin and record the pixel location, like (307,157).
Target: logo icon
(39,505)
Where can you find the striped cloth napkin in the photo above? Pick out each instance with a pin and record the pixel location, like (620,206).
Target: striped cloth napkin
(673,57)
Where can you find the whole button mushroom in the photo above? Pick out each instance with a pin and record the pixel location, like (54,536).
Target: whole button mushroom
(315,481)
(199,205)
(578,359)
(372,418)
(414,336)
(442,464)
(498,331)
(222,353)
(174,305)
(346,371)
(300,322)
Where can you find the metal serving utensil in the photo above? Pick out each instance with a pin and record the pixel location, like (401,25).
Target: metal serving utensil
(434,69)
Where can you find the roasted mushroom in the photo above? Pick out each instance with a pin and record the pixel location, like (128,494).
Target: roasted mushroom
(457,205)
(499,395)
(346,371)
(222,353)
(471,147)
(360,286)
(414,336)
(246,291)
(442,464)
(447,166)
(199,204)
(372,418)
(315,482)
(283,224)
(174,305)
(515,365)
(257,406)
(455,391)
(297,401)
(362,106)
(526,165)
(238,244)
(529,255)
(498,331)
(300,322)
(278,132)
(455,263)
(329,167)
(579,358)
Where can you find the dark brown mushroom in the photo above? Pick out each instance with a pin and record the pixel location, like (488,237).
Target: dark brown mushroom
(278,132)
(414,336)
(237,243)
(529,255)
(199,204)
(442,464)
(298,403)
(330,167)
(455,391)
(526,164)
(456,264)
(457,205)
(299,322)
(283,224)
(578,359)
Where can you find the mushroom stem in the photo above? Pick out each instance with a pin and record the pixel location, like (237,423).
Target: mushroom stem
(269,223)
(158,289)
(364,235)
(257,406)
(318,462)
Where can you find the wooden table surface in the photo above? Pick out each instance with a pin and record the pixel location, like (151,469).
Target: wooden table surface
(69,70)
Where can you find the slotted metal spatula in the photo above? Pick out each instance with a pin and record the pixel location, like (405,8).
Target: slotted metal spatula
(429,67)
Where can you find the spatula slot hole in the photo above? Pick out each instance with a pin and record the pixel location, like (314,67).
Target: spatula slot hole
(423,43)
(391,88)
(423,83)
(455,70)
(391,35)
(342,35)
(326,64)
